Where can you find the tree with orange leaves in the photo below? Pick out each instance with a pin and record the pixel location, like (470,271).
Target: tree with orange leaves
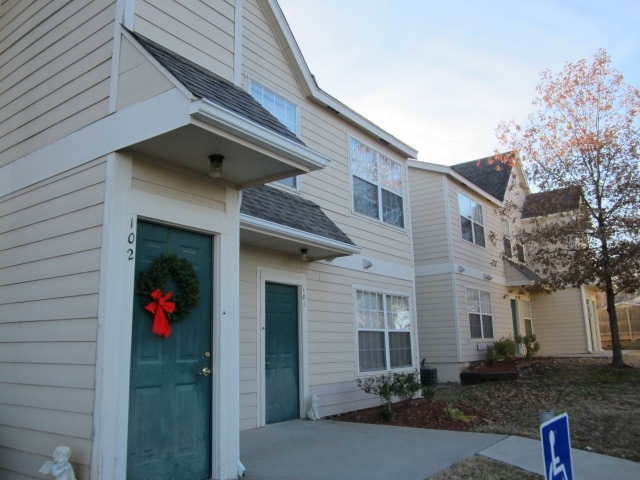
(583,141)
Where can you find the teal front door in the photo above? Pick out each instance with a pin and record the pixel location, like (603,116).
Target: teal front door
(516,323)
(169,394)
(281,352)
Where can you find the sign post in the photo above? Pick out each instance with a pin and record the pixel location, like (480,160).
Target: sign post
(556,448)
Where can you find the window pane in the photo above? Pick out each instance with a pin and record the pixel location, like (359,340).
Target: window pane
(398,317)
(365,198)
(370,312)
(487,326)
(371,351)
(364,161)
(505,227)
(390,175)
(507,247)
(526,308)
(284,111)
(478,233)
(392,212)
(291,113)
(465,225)
(474,325)
(477,213)
(256,92)
(527,327)
(485,302)
(520,252)
(473,300)
(268,100)
(465,206)
(291,181)
(400,349)
(279,109)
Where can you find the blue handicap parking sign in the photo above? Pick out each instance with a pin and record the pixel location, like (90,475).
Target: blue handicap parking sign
(556,448)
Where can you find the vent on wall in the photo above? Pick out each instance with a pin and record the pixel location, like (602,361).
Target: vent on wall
(384,141)
(333,110)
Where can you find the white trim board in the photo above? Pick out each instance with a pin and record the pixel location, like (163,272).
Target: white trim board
(472,272)
(237,43)
(298,280)
(378,267)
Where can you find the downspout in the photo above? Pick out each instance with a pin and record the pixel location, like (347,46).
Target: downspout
(585,315)
(456,320)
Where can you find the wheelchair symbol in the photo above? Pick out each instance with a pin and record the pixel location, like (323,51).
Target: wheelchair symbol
(555,467)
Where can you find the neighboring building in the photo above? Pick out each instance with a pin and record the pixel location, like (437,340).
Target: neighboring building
(105,136)
(466,296)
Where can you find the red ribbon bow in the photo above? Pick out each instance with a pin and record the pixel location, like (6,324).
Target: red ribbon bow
(158,307)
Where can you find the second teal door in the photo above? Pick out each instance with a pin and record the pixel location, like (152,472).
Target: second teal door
(281,352)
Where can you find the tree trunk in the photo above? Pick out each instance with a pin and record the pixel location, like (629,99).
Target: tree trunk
(616,347)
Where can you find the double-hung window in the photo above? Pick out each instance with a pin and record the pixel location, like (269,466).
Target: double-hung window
(283,110)
(507,241)
(526,313)
(384,331)
(377,185)
(519,247)
(480,313)
(471,220)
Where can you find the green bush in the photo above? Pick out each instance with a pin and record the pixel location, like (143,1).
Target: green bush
(503,350)
(406,385)
(529,343)
(401,385)
(490,356)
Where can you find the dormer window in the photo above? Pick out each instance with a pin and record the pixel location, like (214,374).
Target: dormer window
(471,220)
(283,110)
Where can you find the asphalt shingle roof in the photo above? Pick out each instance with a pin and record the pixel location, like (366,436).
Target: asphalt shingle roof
(524,270)
(550,202)
(489,174)
(205,84)
(273,205)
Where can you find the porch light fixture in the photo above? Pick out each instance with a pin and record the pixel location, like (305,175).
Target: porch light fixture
(215,165)
(303,254)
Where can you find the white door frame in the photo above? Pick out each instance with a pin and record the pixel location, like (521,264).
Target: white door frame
(123,207)
(298,280)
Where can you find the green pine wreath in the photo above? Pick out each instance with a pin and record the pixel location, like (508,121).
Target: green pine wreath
(182,271)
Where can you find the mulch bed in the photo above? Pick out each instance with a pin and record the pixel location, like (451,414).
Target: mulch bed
(495,367)
(421,414)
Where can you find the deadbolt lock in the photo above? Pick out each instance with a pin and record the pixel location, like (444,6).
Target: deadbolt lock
(206,354)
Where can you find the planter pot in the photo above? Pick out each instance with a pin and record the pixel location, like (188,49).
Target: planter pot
(471,378)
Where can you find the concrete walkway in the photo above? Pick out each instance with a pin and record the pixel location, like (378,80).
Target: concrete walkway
(329,450)
(527,454)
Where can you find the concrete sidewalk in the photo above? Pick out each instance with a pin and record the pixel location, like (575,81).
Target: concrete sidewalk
(527,454)
(329,450)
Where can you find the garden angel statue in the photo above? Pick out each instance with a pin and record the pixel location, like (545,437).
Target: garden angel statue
(60,468)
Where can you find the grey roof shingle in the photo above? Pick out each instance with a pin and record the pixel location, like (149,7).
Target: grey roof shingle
(489,174)
(273,205)
(206,84)
(550,202)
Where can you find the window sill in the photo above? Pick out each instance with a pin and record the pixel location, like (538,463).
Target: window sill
(474,244)
(379,222)
(286,188)
(377,373)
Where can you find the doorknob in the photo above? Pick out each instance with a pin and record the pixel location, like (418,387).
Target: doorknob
(205,371)
(267,363)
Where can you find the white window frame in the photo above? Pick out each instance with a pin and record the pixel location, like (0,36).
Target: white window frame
(261,84)
(386,330)
(506,235)
(514,246)
(473,232)
(524,251)
(483,338)
(404,187)
(525,318)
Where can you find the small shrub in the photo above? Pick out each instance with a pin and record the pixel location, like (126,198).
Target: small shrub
(455,414)
(383,387)
(406,385)
(490,356)
(529,343)
(505,349)
(429,393)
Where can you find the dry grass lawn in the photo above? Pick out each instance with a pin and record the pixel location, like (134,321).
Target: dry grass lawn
(603,402)
(478,467)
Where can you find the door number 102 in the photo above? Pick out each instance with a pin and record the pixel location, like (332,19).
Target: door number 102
(130,239)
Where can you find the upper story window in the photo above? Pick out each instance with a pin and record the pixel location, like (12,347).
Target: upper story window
(507,230)
(471,221)
(384,331)
(377,185)
(283,110)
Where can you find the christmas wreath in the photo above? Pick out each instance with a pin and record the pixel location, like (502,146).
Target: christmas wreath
(153,282)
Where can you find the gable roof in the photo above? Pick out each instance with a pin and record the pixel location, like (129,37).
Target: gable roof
(551,202)
(207,85)
(274,205)
(489,174)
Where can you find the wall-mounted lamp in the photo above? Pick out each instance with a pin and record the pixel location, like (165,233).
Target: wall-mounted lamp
(303,254)
(486,276)
(366,263)
(215,165)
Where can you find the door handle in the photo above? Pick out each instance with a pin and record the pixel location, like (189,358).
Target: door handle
(267,363)
(205,371)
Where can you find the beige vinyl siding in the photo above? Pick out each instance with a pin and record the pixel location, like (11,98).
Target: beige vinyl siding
(428,218)
(514,276)
(200,31)
(436,318)
(50,241)
(171,181)
(559,323)
(54,73)
(138,78)
(331,330)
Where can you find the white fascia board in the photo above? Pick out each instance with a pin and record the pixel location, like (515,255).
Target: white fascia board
(310,89)
(272,228)
(231,122)
(444,169)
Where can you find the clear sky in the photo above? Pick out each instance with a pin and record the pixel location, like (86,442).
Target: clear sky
(440,75)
